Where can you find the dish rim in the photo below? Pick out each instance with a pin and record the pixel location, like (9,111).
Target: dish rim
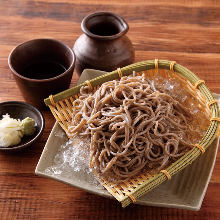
(36,136)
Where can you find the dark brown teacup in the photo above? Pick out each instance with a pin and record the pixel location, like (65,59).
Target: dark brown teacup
(41,67)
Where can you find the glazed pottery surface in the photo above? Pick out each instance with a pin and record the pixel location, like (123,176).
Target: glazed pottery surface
(21,110)
(38,86)
(103,45)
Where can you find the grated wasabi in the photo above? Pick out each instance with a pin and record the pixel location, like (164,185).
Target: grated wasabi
(28,126)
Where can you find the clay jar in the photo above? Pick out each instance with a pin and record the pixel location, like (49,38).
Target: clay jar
(104,45)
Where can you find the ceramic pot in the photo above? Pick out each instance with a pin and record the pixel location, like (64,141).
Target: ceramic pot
(103,44)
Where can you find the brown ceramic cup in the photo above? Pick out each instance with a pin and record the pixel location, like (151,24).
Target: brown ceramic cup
(41,67)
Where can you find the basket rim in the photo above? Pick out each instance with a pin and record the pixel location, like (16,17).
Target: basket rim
(139,66)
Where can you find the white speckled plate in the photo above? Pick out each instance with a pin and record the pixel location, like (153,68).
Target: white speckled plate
(185,190)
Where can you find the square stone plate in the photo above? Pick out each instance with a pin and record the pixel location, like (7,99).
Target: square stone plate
(185,190)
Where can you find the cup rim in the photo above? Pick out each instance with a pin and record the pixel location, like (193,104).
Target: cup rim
(108,37)
(41,80)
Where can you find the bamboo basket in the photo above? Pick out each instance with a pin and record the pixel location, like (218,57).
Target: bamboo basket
(127,192)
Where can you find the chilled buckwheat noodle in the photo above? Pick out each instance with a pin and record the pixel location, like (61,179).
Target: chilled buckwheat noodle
(133,125)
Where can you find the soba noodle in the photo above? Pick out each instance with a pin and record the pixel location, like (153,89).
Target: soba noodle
(133,127)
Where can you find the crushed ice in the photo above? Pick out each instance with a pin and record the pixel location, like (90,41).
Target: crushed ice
(59,133)
(72,161)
